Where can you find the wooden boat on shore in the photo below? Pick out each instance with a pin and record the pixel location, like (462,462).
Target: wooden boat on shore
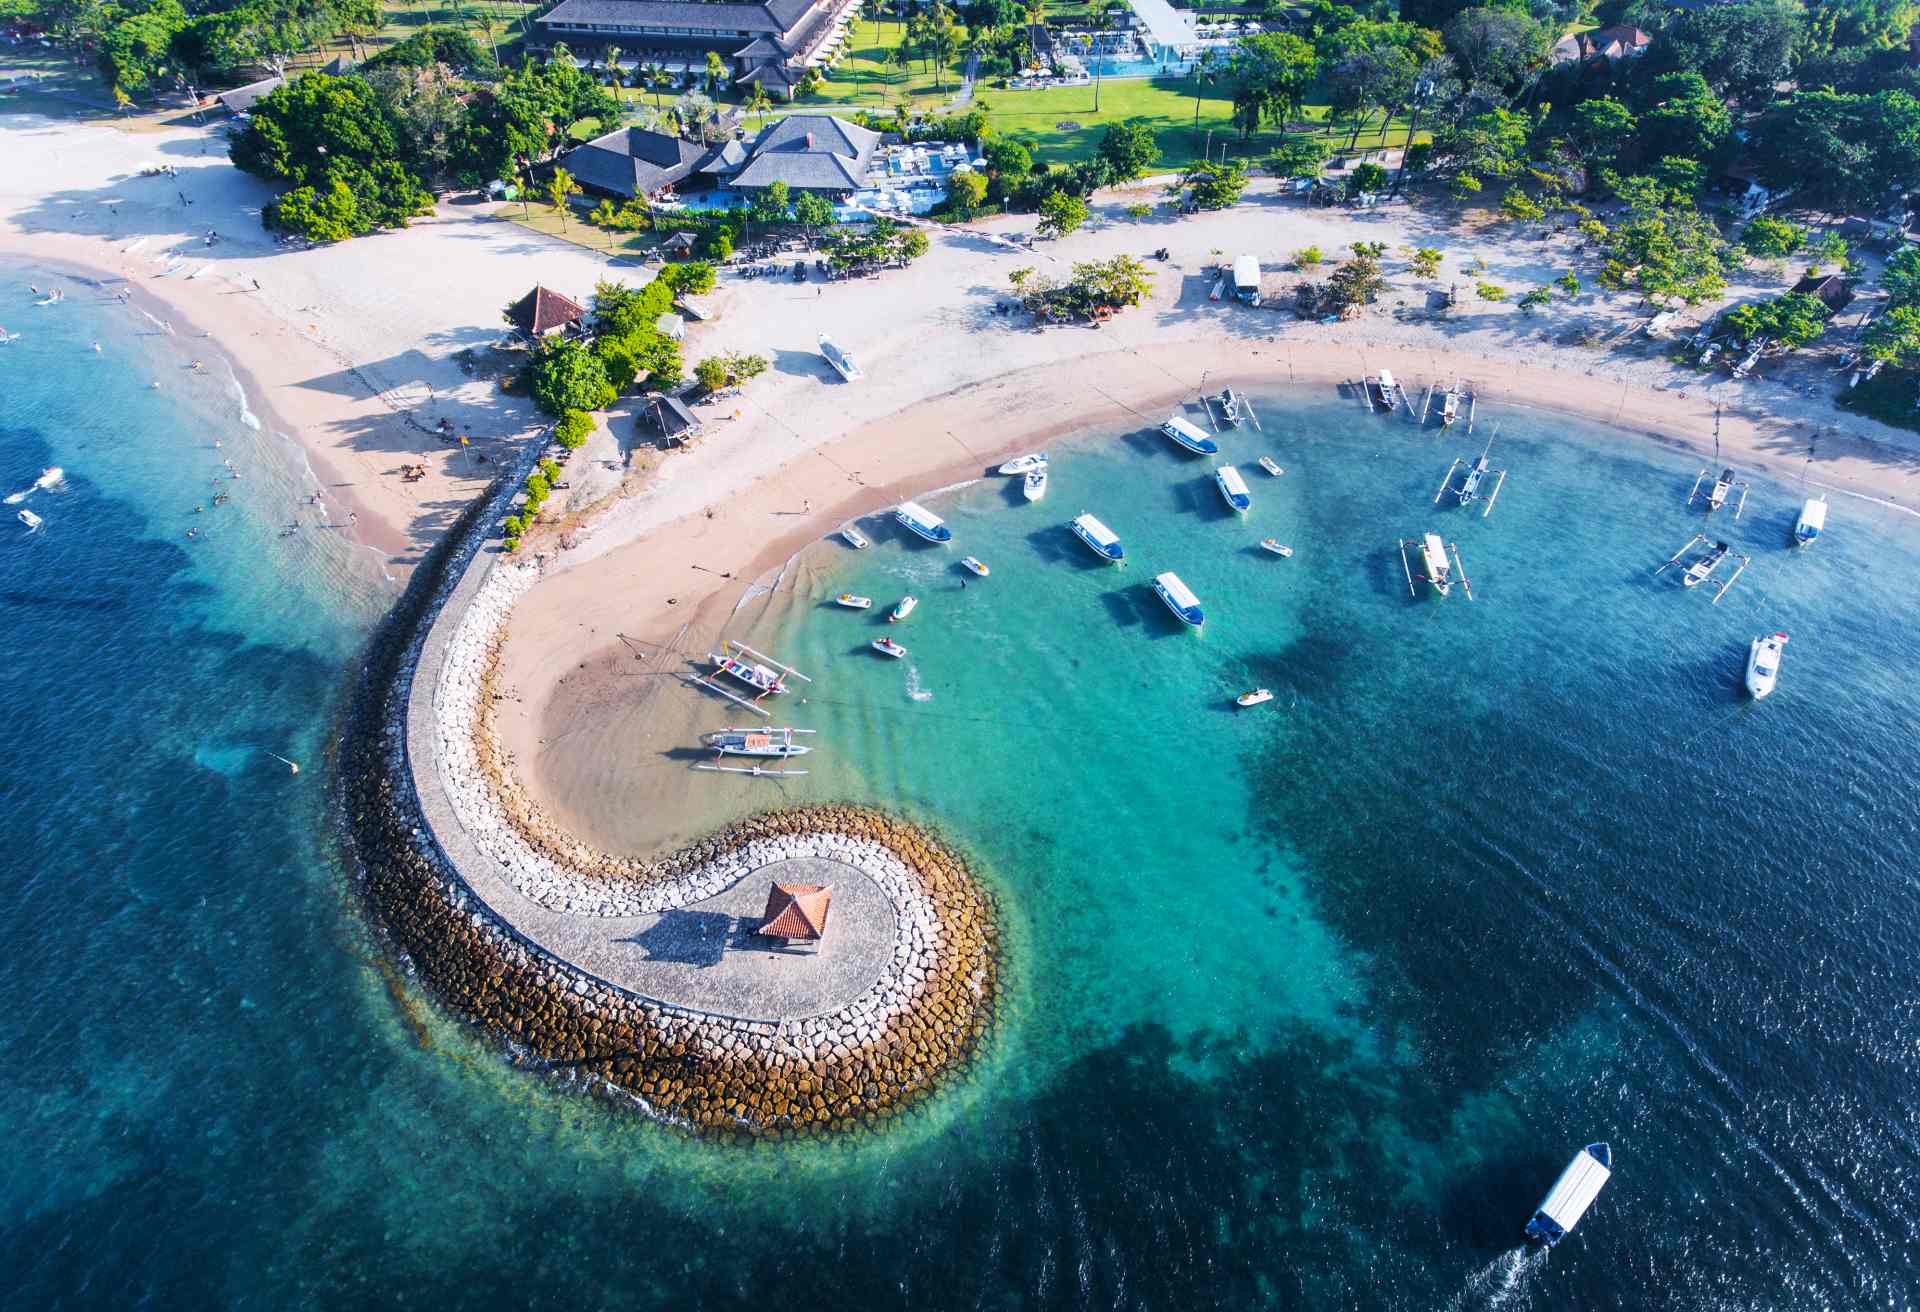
(757,742)
(756,676)
(1102,540)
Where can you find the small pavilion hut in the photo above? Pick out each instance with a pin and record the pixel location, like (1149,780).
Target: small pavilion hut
(679,245)
(543,311)
(797,913)
(673,420)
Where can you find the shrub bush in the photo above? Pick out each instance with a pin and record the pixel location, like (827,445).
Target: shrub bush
(573,429)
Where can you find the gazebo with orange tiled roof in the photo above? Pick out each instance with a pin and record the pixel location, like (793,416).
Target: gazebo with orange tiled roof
(797,912)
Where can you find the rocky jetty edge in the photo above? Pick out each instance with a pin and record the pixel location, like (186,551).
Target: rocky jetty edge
(731,1077)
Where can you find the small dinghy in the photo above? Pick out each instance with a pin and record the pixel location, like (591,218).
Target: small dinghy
(976,565)
(854,538)
(1025,464)
(852,602)
(1035,486)
(1266,463)
(1276,546)
(31,520)
(904,609)
(1253,698)
(888,647)
(1763,664)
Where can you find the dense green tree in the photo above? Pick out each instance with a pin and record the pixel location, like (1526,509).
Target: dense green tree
(1687,119)
(1496,48)
(1664,248)
(1772,239)
(565,375)
(1791,321)
(134,52)
(1895,337)
(1211,184)
(966,193)
(1742,50)
(1839,151)
(1859,24)
(1484,146)
(433,45)
(1300,155)
(1272,74)
(1061,213)
(323,213)
(1901,276)
(1367,82)
(1128,148)
(814,212)
(1600,129)
(314,123)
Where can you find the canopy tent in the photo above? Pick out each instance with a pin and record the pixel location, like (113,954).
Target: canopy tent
(1165,27)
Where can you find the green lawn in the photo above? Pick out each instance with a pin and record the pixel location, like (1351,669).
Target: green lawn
(1061,126)
(863,78)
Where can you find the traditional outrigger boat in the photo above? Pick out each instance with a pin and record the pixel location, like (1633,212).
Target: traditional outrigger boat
(756,676)
(1025,464)
(921,522)
(1179,599)
(852,602)
(1763,664)
(1720,490)
(1034,486)
(1233,488)
(1101,539)
(1229,402)
(1441,572)
(1383,390)
(1188,437)
(904,609)
(757,742)
(888,647)
(1478,471)
(1702,566)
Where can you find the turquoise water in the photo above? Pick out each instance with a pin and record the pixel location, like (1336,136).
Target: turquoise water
(1308,1003)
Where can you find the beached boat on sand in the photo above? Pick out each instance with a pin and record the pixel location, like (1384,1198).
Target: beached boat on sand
(1025,464)
(854,538)
(1383,391)
(755,675)
(1763,664)
(1233,488)
(888,647)
(920,521)
(1103,541)
(840,358)
(1034,487)
(1179,599)
(904,609)
(852,602)
(1188,437)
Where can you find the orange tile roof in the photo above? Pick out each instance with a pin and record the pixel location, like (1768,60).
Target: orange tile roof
(797,911)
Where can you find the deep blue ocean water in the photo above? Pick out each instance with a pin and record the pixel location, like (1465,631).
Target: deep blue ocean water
(1307,1004)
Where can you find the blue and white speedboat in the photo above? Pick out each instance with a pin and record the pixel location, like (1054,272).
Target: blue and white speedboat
(1179,598)
(917,519)
(1233,488)
(1813,518)
(1572,1194)
(1104,542)
(1188,437)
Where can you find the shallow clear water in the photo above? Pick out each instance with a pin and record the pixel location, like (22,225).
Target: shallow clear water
(1308,1003)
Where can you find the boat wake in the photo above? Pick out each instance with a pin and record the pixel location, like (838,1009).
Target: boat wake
(915,691)
(1501,1282)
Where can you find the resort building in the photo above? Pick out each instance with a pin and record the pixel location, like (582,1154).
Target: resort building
(1612,44)
(630,162)
(810,152)
(769,44)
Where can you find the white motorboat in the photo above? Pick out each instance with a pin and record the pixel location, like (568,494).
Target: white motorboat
(888,647)
(918,520)
(1025,464)
(1763,664)
(904,609)
(755,675)
(1572,1194)
(51,476)
(757,742)
(1813,520)
(1276,546)
(31,520)
(1103,541)
(1267,463)
(1179,599)
(1034,487)
(853,602)
(854,538)
(975,565)
(1189,437)
(840,358)
(1233,488)
(1254,698)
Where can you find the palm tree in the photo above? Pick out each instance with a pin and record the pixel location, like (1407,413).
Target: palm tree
(758,102)
(658,79)
(941,39)
(901,57)
(559,187)
(716,72)
(1203,74)
(613,63)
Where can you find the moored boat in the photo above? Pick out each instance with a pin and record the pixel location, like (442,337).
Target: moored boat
(1103,541)
(918,520)
(31,520)
(904,609)
(852,602)
(1179,599)
(757,742)
(1572,1194)
(1034,487)
(975,565)
(854,538)
(1698,571)
(1229,403)
(1025,464)
(1813,520)
(1254,698)
(1189,437)
(888,647)
(1763,664)
(1276,546)
(1384,390)
(752,673)
(1267,463)
(1233,488)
